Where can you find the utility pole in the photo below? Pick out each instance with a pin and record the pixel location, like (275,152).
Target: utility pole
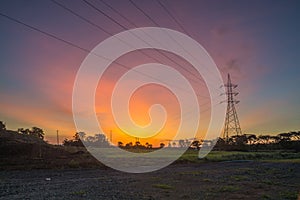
(57,137)
(232,124)
(111,138)
(137,139)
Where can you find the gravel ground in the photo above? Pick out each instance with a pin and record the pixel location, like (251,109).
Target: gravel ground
(226,180)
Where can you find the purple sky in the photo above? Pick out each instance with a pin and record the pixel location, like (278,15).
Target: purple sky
(257,42)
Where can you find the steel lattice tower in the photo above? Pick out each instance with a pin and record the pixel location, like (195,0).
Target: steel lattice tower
(232,124)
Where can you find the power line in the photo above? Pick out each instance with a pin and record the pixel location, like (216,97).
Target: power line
(142,11)
(93,24)
(102,29)
(43,32)
(125,28)
(68,42)
(78,47)
(173,17)
(175,20)
(120,14)
(201,111)
(83,18)
(155,23)
(103,13)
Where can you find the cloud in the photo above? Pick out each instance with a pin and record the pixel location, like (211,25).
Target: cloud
(233,65)
(220,31)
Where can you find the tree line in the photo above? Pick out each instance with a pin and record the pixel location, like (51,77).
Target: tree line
(33,131)
(80,139)
(288,140)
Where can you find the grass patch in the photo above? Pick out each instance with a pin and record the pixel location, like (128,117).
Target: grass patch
(239,178)
(79,193)
(155,178)
(163,186)
(73,164)
(219,156)
(229,188)
(295,160)
(265,196)
(268,182)
(289,195)
(193,173)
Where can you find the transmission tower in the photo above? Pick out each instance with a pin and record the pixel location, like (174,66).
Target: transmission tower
(232,124)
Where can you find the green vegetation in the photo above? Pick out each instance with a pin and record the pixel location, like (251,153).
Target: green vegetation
(289,195)
(239,178)
(193,173)
(229,188)
(220,156)
(265,196)
(73,164)
(79,193)
(163,186)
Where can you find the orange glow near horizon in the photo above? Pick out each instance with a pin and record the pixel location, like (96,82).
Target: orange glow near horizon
(139,106)
(142,99)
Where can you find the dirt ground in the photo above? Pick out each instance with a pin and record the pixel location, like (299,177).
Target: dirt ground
(220,180)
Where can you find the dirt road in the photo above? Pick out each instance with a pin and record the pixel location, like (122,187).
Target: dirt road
(222,180)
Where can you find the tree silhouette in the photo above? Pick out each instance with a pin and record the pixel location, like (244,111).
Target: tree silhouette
(196,144)
(148,145)
(34,131)
(101,140)
(295,135)
(98,140)
(129,145)
(181,143)
(174,144)
(275,139)
(241,140)
(187,143)
(220,142)
(76,141)
(120,144)
(24,131)
(79,135)
(137,144)
(251,138)
(37,132)
(285,136)
(2,126)
(264,139)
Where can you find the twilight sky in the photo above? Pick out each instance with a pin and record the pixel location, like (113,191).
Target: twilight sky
(257,42)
